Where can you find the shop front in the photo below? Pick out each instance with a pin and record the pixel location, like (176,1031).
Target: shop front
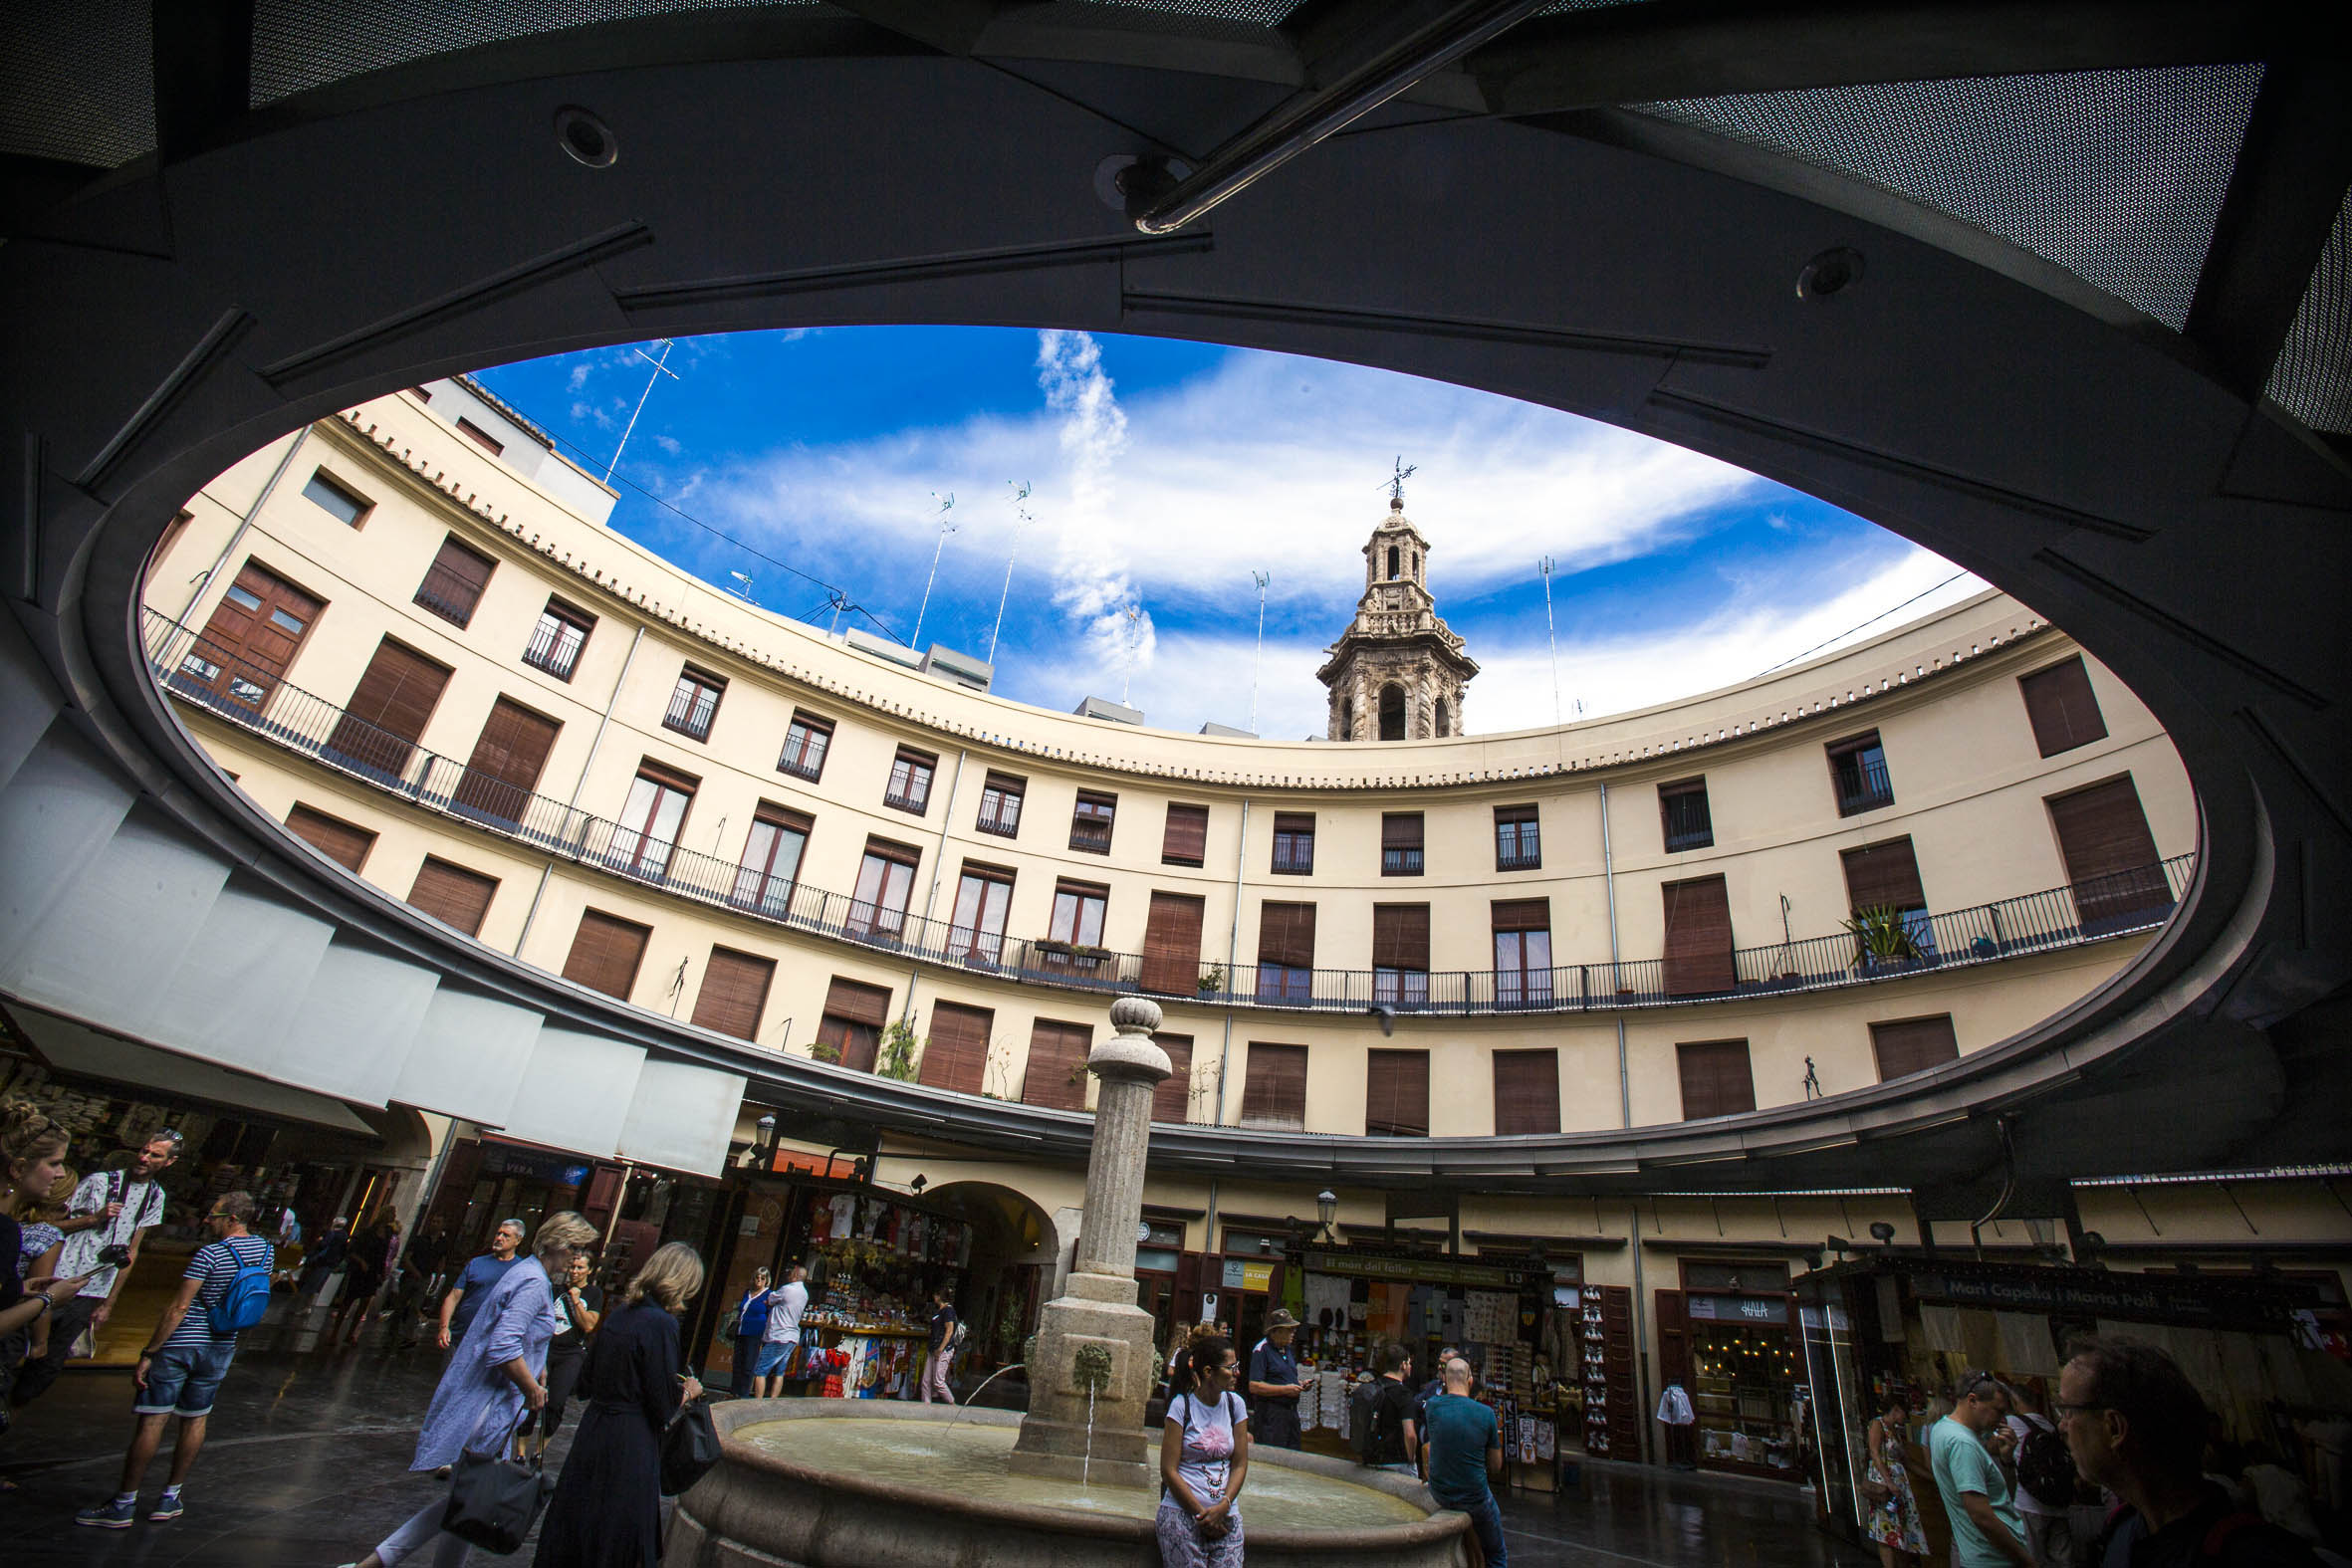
(1728,1340)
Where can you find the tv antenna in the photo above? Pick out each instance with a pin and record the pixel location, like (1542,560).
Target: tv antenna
(1022,519)
(947,504)
(743,585)
(660,369)
(1257,658)
(1134,647)
(1394,484)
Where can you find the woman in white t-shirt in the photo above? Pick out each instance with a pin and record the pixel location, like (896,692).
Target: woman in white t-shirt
(1203,1459)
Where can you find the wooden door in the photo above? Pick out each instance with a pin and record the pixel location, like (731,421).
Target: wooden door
(387,714)
(251,640)
(1674,1366)
(507,759)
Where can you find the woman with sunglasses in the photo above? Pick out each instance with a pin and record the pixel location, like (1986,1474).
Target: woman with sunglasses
(1203,1459)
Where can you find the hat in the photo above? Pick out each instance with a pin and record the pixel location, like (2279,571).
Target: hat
(1279,1318)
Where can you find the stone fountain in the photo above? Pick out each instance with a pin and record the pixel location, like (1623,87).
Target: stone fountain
(871,1483)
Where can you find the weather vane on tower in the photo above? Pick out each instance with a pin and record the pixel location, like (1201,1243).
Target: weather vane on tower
(1394,484)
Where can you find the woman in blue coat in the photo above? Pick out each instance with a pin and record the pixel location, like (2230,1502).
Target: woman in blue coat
(607,1511)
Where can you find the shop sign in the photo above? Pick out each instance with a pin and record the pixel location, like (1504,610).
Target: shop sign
(504,1159)
(2149,1297)
(1414,1271)
(1247,1274)
(1739,1309)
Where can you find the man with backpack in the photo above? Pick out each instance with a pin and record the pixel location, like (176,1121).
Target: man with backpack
(2047,1483)
(1390,1440)
(225,1291)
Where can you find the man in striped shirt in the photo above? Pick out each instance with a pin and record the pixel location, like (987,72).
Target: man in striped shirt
(183,1363)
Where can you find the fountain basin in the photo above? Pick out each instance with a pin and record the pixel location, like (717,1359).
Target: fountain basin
(870,1484)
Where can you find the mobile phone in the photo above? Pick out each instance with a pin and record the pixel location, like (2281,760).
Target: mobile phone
(114,1254)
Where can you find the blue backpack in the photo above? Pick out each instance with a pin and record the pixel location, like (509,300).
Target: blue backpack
(246,1301)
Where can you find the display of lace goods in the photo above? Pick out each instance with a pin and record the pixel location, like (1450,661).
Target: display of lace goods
(1326,1301)
(1311,1400)
(1330,1398)
(1674,1407)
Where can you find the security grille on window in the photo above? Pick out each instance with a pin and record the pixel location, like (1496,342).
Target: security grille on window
(1683,807)
(885,879)
(804,746)
(977,930)
(1090,824)
(1858,771)
(1000,805)
(910,780)
(1518,845)
(340,501)
(1522,953)
(771,860)
(694,703)
(557,641)
(1293,844)
(1400,843)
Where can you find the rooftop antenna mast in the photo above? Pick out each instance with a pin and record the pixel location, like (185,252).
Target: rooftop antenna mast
(946,504)
(1258,658)
(1543,568)
(1022,519)
(1134,642)
(660,369)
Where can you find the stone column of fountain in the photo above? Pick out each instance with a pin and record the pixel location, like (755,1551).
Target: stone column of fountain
(1093,1363)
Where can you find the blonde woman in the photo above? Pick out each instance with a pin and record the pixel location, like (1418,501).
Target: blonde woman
(607,1511)
(32,1158)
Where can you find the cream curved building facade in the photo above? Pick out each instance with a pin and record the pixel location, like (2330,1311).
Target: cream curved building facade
(466,689)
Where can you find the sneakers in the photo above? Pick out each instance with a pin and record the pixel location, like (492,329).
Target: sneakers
(113,1515)
(169,1508)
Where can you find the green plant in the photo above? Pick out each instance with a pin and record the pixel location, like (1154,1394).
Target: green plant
(1211,979)
(824,1050)
(1881,936)
(897,1060)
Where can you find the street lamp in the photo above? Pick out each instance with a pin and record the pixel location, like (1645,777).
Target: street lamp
(1327,1209)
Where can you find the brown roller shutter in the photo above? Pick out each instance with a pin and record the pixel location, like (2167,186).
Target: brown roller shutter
(2063,711)
(453,583)
(1056,1075)
(1716,1080)
(1171,1097)
(859,1003)
(1884,875)
(1396,1094)
(1527,1092)
(605,953)
(734,992)
(340,842)
(452,894)
(955,1056)
(387,714)
(1910,1045)
(1400,936)
(1186,843)
(1400,830)
(2110,855)
(1285,934)
(1697,937)
(1172,943)
(507,761)
(1275,1092)
(1523,914)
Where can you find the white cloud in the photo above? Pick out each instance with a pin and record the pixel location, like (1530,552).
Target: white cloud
(669,444)
(577,378)
(1092,584)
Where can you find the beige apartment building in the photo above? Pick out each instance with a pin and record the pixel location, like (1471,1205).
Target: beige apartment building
(408,634)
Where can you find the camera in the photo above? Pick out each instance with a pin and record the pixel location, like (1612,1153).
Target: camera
(113,1255)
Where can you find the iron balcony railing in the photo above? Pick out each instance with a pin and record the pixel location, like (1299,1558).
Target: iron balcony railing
(1864,785)
(197,671)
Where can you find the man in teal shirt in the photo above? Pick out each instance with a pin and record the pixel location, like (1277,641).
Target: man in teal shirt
(1966,1448)
(1461,1446)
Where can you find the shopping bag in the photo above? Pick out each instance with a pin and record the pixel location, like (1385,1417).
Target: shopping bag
(690,1448)
(494,1499)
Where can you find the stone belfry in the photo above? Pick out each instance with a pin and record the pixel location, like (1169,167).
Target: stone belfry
(1397,672)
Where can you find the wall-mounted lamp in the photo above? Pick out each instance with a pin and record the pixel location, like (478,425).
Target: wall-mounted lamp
(1327,1210)
(1882,1233)
(918,1184)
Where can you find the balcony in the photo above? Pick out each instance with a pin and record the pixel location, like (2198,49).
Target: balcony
(1400,862)
(293,719)
(1862,783)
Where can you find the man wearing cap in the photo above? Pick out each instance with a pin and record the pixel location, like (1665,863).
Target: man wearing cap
(1275,1385)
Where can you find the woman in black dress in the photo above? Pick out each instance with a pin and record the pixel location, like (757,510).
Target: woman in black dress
(607,1511)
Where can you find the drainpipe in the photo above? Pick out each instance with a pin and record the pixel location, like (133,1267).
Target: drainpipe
(947,821)
(244,524)
(595,744)
(1608,877)
(1641,1334)
(1233,948)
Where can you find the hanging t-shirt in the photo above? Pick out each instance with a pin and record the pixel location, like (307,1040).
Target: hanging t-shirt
(845,1212)
(1207,1455)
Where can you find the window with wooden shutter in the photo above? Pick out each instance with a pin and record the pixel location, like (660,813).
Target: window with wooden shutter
(771,864)
(1522,952)
(1858,775)
(453,895)
(453,583)
(1716,1080)
(1172,943)
(1186,840)
(1697,937)
(1001,797)
(385,716)
(1883,876)
(734,992)
(1527,1092)
(507,761)
(1400,955)
(555,643)
(1090,822)
(605,953)
(1293,844)
(1056,1073)
(852,1023)
(1286,952)
(2061,706)
(251,640)
(694,703)
(345,843)
(1273,1089)
(2110,856)
(1396,1094)
(909,789)
(1400,843)
(804,743)
(1519,844)
(1684,818)
(1171,1097)
(1909,1045)
(955,1057)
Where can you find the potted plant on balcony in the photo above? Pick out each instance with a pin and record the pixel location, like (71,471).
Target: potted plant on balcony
(1882,938)
(1211,979)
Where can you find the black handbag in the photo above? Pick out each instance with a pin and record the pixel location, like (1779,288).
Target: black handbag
(690,1448)
(493,1500)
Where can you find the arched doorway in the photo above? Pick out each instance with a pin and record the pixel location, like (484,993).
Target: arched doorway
(1392,713)
(1009,1272)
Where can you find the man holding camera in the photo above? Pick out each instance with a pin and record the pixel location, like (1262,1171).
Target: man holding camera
(131,1201)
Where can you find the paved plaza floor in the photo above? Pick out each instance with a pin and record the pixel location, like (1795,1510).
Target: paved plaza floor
(306,1466)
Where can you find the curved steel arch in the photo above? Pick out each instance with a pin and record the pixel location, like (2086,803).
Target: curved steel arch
(424,220)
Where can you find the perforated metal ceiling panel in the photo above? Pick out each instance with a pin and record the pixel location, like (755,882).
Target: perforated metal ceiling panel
(2115,175)
(76,82)
(2313,376)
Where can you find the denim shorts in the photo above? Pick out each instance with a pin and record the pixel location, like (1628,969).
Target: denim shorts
(182,1379)
(773,1355)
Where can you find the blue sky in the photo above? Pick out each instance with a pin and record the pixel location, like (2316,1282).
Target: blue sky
(1162,474)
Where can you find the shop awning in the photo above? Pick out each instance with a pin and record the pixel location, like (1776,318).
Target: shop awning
(73,1047)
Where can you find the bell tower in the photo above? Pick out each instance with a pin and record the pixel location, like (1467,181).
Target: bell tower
(1398,672)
